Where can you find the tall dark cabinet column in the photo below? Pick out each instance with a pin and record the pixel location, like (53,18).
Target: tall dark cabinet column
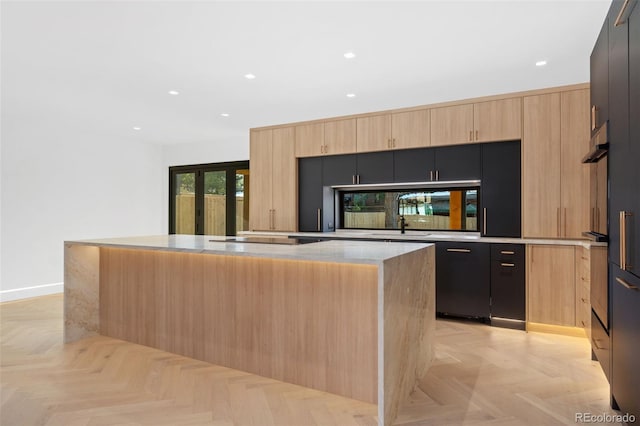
(624,202)
(309,194)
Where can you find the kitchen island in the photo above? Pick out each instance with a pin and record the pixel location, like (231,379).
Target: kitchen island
(351,318)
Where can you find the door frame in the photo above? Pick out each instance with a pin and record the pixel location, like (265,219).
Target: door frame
(230,167)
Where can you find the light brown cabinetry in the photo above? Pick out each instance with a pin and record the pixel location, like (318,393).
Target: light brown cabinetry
(555,183)
(480,122)
(273,180)
(326,138)
(583,288)
(400,130)
(551,292)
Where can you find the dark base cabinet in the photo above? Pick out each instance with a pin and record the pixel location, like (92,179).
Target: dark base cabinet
(625,340)
(508,285)
(462,279)
(601,345)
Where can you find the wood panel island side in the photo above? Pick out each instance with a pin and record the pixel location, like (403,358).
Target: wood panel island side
(351,318)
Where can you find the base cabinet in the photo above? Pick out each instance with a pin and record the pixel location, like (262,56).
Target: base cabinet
(463,279)
(508,305)
(551,285)
(625,340)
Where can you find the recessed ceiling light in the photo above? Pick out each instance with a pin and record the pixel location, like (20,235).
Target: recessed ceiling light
(224,114)
(351,95)
(174,92)
(137,128)
(541,63)
(249,76)
(349,55)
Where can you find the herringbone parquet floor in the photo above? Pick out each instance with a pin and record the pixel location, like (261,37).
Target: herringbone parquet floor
(481,376)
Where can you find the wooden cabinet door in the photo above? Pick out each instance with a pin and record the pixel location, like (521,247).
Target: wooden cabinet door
(260,154)
(551,285)
(499,120)
(452,125)
(284,180)
(410,129)
(373,133)
(541,166)
(340,137)
(574,177)
(310,140)
(599,111)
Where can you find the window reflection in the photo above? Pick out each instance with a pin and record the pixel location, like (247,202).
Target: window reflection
(441,209)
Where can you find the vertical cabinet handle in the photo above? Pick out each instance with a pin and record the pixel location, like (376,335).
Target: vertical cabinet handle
(353,179)
(470,135)
(593,219)
(598,219)
(565,222)
(558,230)
(358,179)
(319,219)
(477,135)
(437,174)
(431,175)
(484,221)
(623,240)
(321,149)
(393,142)
(593,117)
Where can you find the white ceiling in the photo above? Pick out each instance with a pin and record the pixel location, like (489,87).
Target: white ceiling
(105,67)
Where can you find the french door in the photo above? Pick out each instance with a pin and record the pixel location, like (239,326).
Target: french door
(209,199)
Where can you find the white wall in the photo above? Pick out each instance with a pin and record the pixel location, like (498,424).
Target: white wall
(64,183)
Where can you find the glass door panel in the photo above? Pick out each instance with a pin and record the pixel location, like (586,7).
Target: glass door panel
(185,203)
(242,200)
(215,203)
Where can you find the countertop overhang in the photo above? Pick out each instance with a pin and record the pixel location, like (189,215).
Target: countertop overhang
(342,251)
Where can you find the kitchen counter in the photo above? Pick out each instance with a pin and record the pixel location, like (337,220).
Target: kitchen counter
(426,237)
(354,318)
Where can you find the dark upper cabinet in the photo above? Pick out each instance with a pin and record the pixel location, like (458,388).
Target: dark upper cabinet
(501,191)
(457,162)
(339,169)
(309,193)
(508,282)
(621,170)
(413,165)
(600,79)
(633,160)
(463,275)
(375,167)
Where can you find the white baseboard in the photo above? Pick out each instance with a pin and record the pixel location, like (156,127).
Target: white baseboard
(27,292)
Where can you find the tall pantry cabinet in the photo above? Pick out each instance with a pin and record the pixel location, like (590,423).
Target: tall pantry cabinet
(621,35)
(555,182)
(272,206)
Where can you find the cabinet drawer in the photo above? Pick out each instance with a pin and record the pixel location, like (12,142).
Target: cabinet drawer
(509,253)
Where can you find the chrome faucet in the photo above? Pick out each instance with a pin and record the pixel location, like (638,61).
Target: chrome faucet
(403,224)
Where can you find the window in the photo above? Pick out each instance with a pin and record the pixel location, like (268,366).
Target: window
(423,209)
(209,199)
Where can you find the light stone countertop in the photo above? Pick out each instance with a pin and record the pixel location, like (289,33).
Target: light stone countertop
(426,236)
(342,251)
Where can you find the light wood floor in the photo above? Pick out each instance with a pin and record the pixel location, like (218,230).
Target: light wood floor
(481,376)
